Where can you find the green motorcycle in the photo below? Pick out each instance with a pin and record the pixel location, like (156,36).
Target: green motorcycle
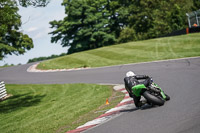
(153,94)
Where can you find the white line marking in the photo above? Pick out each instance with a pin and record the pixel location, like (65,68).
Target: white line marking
(123,107)
(95,122)
(118,87)
(126,100)
(124,91)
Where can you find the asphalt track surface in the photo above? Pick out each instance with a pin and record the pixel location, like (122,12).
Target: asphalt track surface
(180,79)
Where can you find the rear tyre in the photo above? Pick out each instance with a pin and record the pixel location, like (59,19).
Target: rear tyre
(153,99)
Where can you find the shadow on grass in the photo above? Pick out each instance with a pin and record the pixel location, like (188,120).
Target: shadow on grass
(19,101)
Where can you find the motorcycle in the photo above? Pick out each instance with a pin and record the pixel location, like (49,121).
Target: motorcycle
(153,94)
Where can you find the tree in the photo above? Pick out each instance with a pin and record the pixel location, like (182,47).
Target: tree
(126,35)
(12,41)
(87,25)
(196,5)
(91,24)
(35,3)
(148,18)
(177,18)
(153,18)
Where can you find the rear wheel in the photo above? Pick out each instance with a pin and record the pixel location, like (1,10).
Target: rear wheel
(153,99)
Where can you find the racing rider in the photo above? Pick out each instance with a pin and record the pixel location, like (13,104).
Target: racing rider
(131,80)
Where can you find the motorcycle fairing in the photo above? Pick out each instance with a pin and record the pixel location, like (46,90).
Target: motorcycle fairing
(137,89)
(162,93)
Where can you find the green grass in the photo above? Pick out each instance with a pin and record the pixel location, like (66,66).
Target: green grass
(6,66)
(133,52)
(52,108)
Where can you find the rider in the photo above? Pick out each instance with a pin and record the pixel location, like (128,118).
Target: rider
(131,80)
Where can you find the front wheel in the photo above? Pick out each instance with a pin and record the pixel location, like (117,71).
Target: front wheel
(167,97)
(153,99)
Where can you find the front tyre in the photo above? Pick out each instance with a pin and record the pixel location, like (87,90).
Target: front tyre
(167,97)
(153,99)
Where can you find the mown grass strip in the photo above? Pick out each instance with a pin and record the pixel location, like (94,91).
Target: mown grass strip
(53,108)
(133,52)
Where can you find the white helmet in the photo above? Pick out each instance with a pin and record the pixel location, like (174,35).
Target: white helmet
(130,73)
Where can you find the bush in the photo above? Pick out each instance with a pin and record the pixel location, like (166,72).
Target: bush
(126,35)
(45,58)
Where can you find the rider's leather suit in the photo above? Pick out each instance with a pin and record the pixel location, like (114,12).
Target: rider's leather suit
(131,82)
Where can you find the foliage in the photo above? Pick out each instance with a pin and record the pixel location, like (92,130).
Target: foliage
(6,65)
(196,5)
(177,18)
(45,58)
(91,24)
(126,35)
(35,3)
(12,41)
(153,18)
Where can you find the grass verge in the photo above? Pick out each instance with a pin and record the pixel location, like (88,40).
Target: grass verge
(133,52)
(6,66)
(53,108)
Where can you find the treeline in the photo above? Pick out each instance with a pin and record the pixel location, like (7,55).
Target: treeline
(45,58)
(91,24)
